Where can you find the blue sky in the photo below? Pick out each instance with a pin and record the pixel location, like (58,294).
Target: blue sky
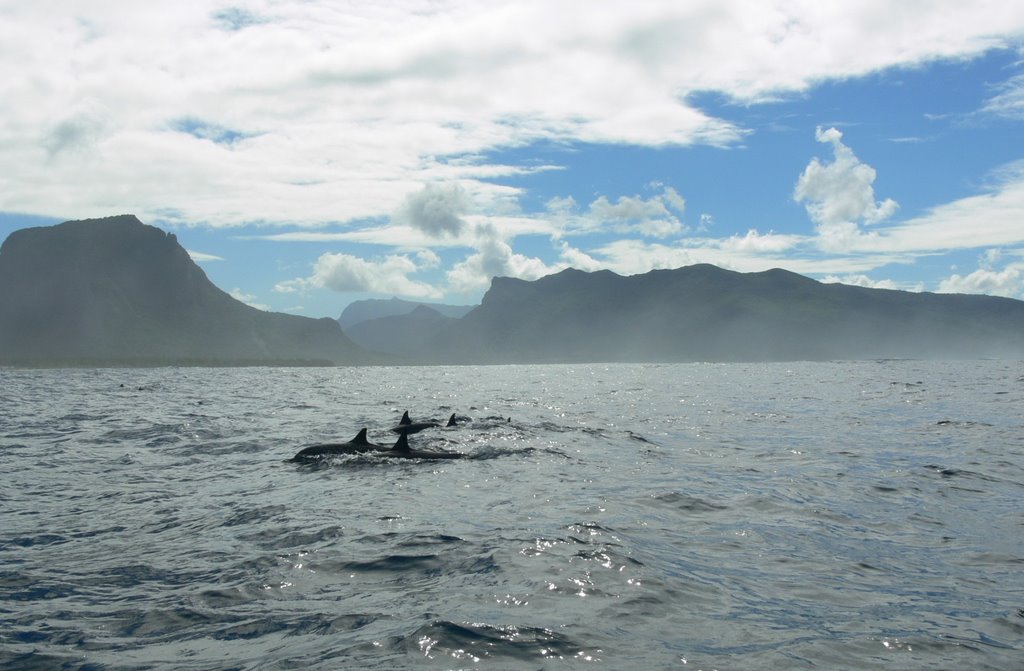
(309,154)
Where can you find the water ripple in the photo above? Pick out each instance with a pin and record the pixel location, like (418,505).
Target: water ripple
(835,515)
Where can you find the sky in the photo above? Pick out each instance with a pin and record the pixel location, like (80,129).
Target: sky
(312,153)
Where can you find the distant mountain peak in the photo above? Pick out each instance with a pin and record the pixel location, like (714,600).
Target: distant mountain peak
(424,312)
(376,308)
(115,290)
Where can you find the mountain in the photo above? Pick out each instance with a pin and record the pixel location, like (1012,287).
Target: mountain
(375,308)
(408,336)
(116,291)
(706,313)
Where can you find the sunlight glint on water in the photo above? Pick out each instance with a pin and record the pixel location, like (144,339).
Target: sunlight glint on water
(837,515)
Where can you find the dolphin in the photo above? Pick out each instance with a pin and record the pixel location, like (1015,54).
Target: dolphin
(455,420)
(358,445)
(401,450)
(406,425)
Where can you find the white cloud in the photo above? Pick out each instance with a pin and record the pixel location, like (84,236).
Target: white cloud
(632,257)
(345,273)
(575,258)
(627,209)
(248,299)
(757,243)
(1009,101)
(561,207)
(989,277)
(310,113)
(657,216)
(427,259)
(201,257)
(841,193)
(651,216)
(865,281)
(1008,281)
(989,219)
(752,253)
(401,237)
(847,236)
(331,120)
(494,257)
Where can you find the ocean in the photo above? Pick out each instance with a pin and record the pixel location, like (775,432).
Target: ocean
(844,515)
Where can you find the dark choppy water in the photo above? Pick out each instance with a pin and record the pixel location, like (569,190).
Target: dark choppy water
(790,516)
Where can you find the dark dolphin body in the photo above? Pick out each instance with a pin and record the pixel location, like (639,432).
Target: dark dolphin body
(358,445)
(407,426)
(402,450)
(455,420)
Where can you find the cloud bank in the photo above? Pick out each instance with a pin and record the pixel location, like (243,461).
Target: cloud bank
(345,273)
(384,125)
(310,113)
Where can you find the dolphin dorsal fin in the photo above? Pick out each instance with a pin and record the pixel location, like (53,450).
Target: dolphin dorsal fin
(402,445)
(361,437)
(451,420)
(405,418)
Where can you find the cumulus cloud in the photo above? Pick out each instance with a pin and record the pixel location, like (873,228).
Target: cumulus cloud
(302,115)
(561,206)
(1008,281)
(345,273)
(494,257)
(847,236)
(631,257)
(656,216)
(342,110)
(428,259)
(435,210)
(576,258)
(865,281)
(989,277)
(840,193)
(760,243)
(652,216)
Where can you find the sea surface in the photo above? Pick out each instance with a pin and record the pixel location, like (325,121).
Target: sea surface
(848,515)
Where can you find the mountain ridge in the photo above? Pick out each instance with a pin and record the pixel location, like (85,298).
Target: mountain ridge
(115,291)
(376,308)
(407,336)
(110,290)
(706,313)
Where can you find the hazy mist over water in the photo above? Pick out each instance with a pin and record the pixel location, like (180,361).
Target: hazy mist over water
(733,516)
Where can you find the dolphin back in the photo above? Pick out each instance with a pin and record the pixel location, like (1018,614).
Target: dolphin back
(402,445)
